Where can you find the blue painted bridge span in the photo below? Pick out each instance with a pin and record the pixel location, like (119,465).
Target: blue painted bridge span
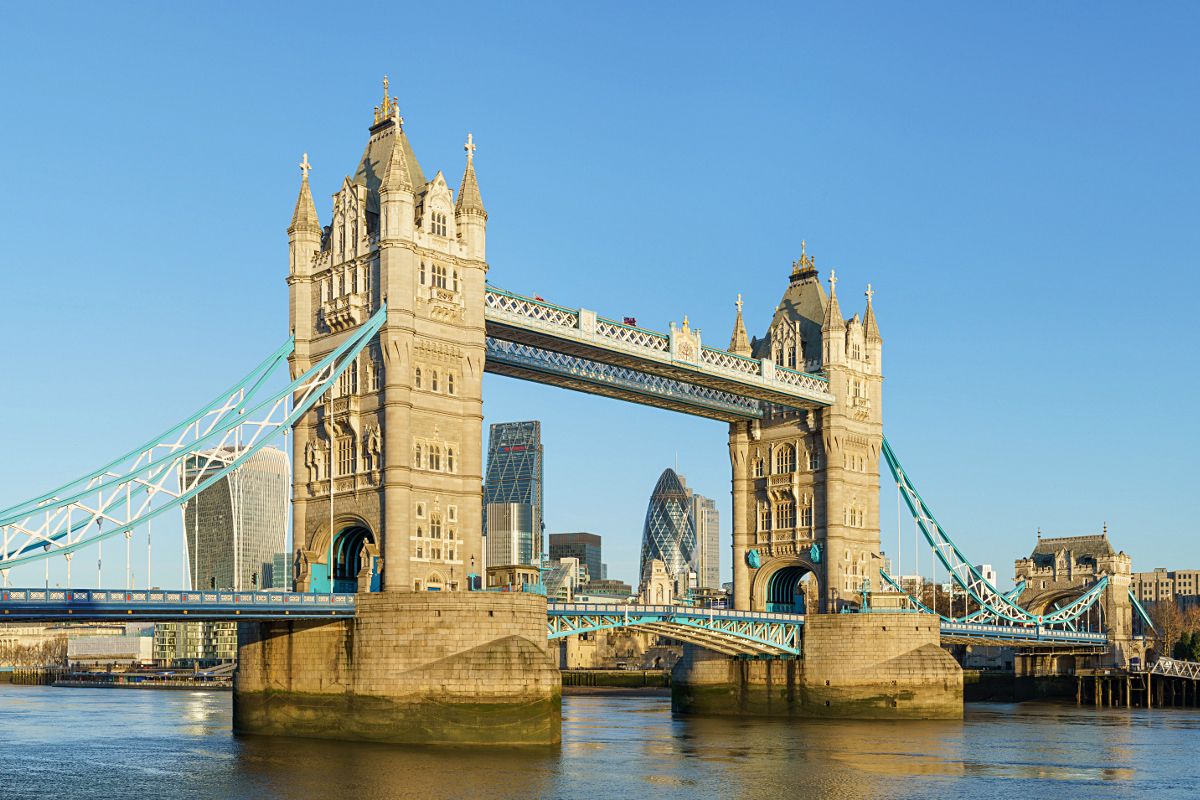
(742,633)
(163,605)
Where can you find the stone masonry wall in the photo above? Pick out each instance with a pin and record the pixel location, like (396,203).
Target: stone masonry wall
(876,665)
(410,667)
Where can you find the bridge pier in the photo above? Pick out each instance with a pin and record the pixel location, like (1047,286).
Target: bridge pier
(868,666)
(419,668)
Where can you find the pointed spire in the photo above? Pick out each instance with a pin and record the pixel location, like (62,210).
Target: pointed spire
(304,218)
(739,344)
(833,314)
(396,176)
(872,327)
(469,201)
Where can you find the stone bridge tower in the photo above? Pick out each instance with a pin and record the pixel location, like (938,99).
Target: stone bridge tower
(387,469)
(806,483)
(1060,569)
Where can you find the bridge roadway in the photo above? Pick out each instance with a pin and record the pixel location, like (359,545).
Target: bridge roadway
(746,633)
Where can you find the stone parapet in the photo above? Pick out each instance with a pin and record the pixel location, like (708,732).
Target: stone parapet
(876,666)
(427,668)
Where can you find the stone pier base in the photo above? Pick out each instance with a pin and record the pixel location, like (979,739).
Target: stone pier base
(869,666)
(422,668)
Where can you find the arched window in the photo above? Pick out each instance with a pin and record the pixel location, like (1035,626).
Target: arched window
(454,282)
(791,359)
(785,515)
(450,383)
(439,276)
(435,457)
(417,377)
(435,527)
(806,517)
(449,459)
(758,467)
(417,457)
(433,383)
(785,459)
(764,517)
(814,459)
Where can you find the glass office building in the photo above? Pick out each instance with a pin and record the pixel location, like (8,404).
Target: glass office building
(669,534)
(583,546)
(707,521)
(235,529)
(514,478)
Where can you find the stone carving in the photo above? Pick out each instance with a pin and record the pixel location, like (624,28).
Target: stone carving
(374,448)
(314,458)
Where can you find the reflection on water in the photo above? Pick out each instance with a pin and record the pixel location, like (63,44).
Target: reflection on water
(101,743)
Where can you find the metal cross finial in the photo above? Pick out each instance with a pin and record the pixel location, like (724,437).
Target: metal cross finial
(305,166)
(385,92)
(832,280)
(470,147)
(739,304)
(803,244)
(870,293)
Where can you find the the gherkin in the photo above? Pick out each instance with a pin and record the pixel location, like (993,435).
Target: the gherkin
(669,534)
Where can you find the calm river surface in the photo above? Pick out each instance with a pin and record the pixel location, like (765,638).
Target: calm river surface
(108,743)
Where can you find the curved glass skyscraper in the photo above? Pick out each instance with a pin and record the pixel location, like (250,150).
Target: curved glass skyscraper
(669,534)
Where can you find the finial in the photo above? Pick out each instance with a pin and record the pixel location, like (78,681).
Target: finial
(739,304)
(470,148)
(832,281)
(685,320)
(803,244)
(1039,531)
(305,166)
(1106,527)
(870,293)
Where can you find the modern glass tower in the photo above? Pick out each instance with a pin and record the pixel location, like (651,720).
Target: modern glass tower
(235,529)
(707,521)
(514,476)
(583,546)
(669,534)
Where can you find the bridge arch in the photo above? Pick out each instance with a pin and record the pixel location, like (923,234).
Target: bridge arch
(355,546)
(782,585)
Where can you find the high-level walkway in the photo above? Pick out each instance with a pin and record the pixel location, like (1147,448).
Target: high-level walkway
(574,348)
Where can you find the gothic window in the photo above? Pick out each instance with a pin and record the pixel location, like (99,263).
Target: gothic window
(376,370)
(345,451)
(764,517)
(354,280)
(418,459)
(450,534)
(439,276)
(438,220)
(433,381)
(452,514)
(449,459)
(325,292)
(435,457)
(785,515)
(421,274)
(758,467)
(814,459)
(855,351)
(420,554)
(791,359)
(785,459)
(454,283)
(450,383)
(450,554)
(435,527)
(806,517)
(417,377)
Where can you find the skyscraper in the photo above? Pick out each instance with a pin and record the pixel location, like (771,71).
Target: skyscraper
(514,477)
(235,529)
(707,521)
(583,546)
(669,534)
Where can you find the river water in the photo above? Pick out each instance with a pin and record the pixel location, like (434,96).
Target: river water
(111,743)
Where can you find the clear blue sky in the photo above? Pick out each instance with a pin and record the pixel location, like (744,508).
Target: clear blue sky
(1019,182)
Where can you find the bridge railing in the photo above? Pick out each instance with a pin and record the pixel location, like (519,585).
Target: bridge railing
(707,613)
(1175,668)
(157,597)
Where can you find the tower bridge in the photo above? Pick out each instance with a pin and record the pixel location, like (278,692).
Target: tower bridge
(393,326)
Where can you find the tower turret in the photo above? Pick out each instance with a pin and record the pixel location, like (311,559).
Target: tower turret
(396,200)
(469,215)
(304,232)
(833,327)
(739,343)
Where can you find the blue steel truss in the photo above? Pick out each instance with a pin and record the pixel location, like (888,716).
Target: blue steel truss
(737,633)
(149,481)
(994,605)
(594,377)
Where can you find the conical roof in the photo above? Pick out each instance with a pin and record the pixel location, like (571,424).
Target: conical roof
(739,343)
(469,200)
(871,325)
(304,218)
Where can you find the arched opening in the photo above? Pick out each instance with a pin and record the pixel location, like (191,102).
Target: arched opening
(348,558)
(793,590)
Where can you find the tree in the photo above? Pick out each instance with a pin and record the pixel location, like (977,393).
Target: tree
(1168,622)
